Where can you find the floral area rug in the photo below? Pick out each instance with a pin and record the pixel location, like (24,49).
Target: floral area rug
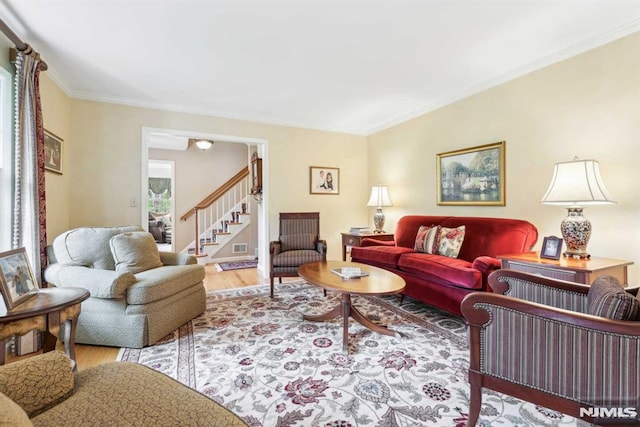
(259,358)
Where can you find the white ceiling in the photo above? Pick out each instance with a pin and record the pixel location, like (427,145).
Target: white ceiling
(355,66)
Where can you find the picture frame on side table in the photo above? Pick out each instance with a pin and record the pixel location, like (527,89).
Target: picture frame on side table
(472,177)
(551,247)
(52,152)
(324,180)
(17,282)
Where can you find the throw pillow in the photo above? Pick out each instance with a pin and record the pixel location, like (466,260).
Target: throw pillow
(450,241)
(607,298)
(427,239)
(135,252)
(291,242)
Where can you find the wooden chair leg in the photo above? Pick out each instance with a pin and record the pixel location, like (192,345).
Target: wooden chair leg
(400,299)
(271,282)
(475,400)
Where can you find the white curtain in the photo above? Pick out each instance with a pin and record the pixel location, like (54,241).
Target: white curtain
(29,211)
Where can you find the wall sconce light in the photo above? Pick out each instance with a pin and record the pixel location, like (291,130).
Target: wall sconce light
(379,198)
(204,144)
(573,184)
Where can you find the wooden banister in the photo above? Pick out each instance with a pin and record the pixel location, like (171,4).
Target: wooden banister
(219,192)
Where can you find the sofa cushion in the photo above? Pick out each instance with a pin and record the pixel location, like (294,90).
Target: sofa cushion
(159,283)
(450,241)
(427,239)
(291,242)
(607,298)
(37,385)
(11,414)
(384,256)
(441,269)
(135,252)
(88,246)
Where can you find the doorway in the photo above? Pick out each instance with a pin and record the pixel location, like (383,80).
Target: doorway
(161,202)
(170,137)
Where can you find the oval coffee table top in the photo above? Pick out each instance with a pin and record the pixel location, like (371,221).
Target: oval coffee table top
(378,282)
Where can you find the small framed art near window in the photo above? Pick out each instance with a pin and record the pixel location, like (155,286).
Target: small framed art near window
(551,247)
(324,180)
(472,176)
(17,282)
(52,152)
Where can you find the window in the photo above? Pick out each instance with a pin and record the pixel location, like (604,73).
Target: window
(6,164)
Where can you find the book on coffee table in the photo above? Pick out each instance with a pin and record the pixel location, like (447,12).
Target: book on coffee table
(349,272)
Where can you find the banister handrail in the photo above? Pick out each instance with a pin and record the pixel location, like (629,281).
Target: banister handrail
(218,193)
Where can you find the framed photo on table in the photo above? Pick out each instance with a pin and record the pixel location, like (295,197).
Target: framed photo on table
(551,247)
(472,176)
(17,282)
(324,180)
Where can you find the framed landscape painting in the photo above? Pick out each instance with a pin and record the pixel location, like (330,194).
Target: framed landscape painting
(324,180)
(52,152)
(472,176)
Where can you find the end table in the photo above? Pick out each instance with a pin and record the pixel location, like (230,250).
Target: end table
(49,309)
(355,239)
(583,271)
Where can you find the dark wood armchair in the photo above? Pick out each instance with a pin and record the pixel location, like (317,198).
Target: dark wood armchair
(299,243)
(534,339)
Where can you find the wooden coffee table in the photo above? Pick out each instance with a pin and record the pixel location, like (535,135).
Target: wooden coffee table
(378,282)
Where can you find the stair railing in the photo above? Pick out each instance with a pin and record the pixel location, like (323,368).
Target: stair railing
(219,209)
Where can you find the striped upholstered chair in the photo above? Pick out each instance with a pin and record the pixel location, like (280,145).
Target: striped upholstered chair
(557,344)
(299,243)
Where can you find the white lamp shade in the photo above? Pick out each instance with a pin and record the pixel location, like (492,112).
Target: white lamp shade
(379,196)
(577,182)
(204,144)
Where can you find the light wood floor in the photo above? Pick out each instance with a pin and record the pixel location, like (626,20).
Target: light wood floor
(91,355)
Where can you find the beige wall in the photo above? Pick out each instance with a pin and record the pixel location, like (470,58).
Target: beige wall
(587,106)
(107,155)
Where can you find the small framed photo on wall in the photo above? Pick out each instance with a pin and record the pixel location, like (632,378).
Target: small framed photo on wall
(551,247)
(52,152)
(324,180)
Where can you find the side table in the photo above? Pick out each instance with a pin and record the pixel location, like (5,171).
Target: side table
(355,239)
(583,271)
(49,309)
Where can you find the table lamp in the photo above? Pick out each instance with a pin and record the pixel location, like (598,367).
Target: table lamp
(575,184)
(379,198)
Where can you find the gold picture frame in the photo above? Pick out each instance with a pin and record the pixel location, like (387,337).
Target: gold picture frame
(52,152)
(324,180)
(472,177)
(17,282)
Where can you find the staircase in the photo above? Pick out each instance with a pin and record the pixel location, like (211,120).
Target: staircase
(220,217)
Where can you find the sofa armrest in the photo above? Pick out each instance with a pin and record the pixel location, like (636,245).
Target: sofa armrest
(39,382)
(486,265)
(177,258)
(370,241)
(99,283)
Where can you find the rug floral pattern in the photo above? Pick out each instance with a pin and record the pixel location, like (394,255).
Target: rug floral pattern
(259,358)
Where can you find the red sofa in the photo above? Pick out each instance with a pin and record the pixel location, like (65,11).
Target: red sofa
(442,281)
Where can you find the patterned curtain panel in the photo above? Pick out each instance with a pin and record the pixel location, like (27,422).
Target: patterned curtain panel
(29,209)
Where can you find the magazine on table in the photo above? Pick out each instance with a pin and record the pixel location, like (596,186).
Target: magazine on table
(349,272)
